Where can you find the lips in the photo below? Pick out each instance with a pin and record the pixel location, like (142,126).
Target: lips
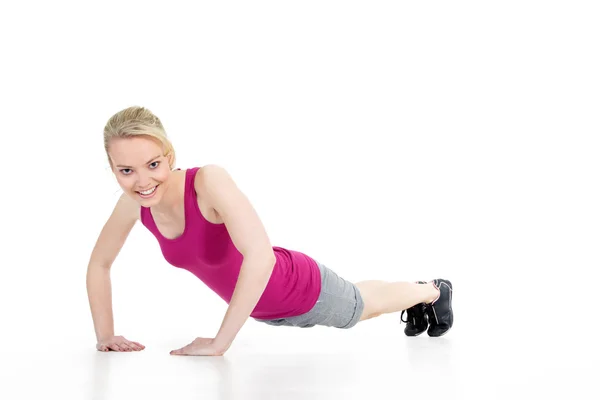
(147,193)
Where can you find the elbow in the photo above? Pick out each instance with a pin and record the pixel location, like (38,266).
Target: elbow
(269,260)
(270,257)
(264,261)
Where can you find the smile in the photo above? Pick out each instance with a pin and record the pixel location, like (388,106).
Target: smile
(147,193)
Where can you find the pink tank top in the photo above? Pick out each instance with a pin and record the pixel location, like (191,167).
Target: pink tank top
(207,251)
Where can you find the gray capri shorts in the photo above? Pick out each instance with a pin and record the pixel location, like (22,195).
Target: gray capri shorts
(339,305)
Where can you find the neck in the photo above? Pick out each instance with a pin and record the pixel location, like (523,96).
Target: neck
(170,202)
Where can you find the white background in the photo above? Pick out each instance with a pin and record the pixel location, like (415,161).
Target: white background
(388,140)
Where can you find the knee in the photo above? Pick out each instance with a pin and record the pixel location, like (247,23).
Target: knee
(369,314)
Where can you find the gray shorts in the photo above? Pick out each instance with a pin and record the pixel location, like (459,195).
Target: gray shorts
(339,305)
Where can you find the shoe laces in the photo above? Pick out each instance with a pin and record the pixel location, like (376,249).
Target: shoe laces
(413,313)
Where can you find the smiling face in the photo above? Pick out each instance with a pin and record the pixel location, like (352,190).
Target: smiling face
(141,169)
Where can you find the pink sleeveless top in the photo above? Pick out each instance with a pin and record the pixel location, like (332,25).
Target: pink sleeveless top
(207,251)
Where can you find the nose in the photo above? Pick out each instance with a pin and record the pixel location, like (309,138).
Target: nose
(144,180)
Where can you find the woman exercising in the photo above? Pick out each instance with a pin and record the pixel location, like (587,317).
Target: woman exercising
(206,225)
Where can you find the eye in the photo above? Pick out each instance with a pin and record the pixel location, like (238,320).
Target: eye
(155,162)
(123,171)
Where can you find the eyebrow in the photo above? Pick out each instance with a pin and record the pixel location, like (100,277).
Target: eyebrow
(129,166)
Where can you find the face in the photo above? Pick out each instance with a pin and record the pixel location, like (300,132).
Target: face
(141,169)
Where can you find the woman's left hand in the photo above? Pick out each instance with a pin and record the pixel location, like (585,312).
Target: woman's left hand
(200,347)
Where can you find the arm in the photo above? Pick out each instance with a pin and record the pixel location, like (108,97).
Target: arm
(100,300)
(250,238)
(109,243)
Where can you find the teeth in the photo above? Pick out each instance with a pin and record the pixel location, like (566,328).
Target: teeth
(148,191)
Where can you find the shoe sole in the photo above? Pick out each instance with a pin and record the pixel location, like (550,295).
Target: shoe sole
(417,334)
(440,334)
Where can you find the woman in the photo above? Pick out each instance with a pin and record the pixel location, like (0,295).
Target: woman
(206,225)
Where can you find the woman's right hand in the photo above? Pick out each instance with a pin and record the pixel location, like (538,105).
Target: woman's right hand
(118,343)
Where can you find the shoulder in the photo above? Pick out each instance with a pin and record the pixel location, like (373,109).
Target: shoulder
(210,177)
(126,209)
(128,206)
(214,183)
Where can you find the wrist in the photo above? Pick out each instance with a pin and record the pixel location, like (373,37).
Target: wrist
(220,344)
(105,336)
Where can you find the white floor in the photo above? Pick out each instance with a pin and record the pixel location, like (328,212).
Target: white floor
(413,139)
(374,359)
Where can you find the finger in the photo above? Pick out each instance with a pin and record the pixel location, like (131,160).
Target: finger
(179,352)
(115,347)
(134,346)
(125,346)
(141,345)
(131,346)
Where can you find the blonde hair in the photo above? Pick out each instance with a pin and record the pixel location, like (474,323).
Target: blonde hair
(134,122)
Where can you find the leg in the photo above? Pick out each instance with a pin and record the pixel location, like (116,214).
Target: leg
(382,297)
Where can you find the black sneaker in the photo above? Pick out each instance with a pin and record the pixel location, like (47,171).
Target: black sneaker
(440,312)
(417,321)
